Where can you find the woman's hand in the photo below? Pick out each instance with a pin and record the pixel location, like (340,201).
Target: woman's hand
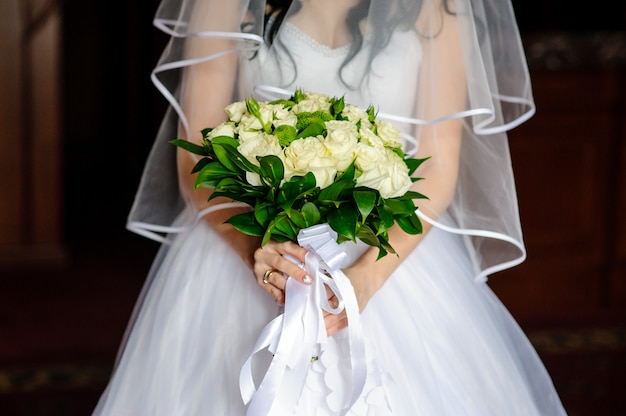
(363,290)
(271,268)
(334,322)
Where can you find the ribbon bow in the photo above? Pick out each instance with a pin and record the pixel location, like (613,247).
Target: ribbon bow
(299,333)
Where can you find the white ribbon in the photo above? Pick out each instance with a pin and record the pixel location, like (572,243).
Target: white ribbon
(299,333)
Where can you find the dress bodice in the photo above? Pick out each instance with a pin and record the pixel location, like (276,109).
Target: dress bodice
(296,60)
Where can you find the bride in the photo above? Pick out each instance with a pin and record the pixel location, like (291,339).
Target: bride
(451,75)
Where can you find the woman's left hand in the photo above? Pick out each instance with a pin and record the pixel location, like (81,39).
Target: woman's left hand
(336,322)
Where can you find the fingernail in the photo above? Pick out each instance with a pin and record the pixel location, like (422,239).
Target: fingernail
(307,280)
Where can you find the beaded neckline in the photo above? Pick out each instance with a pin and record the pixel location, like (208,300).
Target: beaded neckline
(314,44)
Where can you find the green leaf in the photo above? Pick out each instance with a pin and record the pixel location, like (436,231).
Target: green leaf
(254,108)
(344,221)
(386,218)
(348,174)
(190,147)
(263,212)
(365,202)
(384,247)
(238,159)
(410,195)
(284,226)
(368,236)
(201,163)
(298,96)
(410,224)
(315,128)
(337,105)
(245,224)
(231,141)
(211,173)
(400,207)
(297,217)
(233,196)
(311,214)
(272,170)
(413,164)
(205,132)
(286,103)
(334,192)
(225,157)
(398,151)
(230,184)
(279,227)
(297,188)
(371,114)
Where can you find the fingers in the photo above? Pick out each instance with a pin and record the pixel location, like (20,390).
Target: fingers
(333,302)
(271,268)
(273,282)
(272,257)
(274,291)
(335,323)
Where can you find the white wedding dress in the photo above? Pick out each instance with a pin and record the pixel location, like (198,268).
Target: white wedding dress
(437,342)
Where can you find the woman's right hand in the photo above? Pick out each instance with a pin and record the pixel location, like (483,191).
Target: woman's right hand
(271,268)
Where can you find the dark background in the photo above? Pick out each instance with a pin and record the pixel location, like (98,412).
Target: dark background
(75,314)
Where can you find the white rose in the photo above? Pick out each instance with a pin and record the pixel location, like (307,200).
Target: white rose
(250,122)
(236,110)
(267,111)
(316,97)
(224,129)
(382,170)
(245,135)
(260,145)
(279,112)
(354,114)
(311,106)
(341,142)
(310,155)
(368,157)
(389,134)
(369,138)
(290,119)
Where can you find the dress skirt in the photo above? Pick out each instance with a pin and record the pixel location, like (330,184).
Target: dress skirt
(437,342)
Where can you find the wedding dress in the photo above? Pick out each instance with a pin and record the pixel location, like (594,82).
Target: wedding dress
(437,341)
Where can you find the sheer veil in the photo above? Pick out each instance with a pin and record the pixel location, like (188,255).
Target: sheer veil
(496,87)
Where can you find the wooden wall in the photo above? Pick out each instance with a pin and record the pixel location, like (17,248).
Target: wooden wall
(570,164)
(30,157)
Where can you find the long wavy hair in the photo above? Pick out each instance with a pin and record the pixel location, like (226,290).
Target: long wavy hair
(390,15)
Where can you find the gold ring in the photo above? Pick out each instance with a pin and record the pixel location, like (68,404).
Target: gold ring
(267,275)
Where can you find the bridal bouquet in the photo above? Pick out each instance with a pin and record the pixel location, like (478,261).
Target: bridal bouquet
(304,165)
(307,160)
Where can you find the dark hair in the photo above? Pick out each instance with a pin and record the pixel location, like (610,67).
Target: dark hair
(390,14)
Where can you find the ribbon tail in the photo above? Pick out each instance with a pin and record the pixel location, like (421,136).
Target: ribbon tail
(300,332)
(266,338)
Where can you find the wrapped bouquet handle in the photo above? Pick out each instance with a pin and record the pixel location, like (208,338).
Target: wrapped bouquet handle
(299,333)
